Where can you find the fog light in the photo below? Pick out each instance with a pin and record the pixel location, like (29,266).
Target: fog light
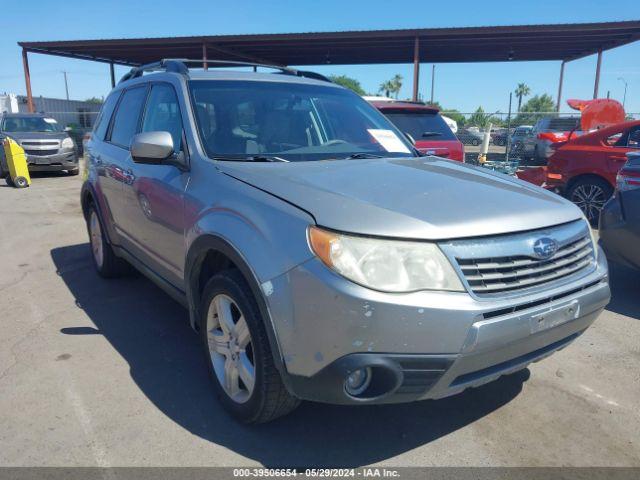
(357,381)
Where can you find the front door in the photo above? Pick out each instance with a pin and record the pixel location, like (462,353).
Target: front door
(154,194)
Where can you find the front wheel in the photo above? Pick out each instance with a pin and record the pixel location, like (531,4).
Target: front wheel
(475,142)
(590,195)
(238,354)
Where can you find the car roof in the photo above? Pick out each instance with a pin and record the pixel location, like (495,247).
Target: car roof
(400,105)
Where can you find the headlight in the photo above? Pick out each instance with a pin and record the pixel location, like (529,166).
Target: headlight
(67,143)
(386,265)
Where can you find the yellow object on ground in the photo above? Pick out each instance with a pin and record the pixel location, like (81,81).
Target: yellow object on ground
(17,164)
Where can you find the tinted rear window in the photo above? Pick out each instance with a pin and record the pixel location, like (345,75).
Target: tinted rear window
(563,124)
(422,126)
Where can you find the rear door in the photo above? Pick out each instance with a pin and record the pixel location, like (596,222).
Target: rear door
(115,156)
(154,196)
(100,161)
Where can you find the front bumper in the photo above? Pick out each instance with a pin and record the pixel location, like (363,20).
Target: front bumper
(419,345)
(52,163)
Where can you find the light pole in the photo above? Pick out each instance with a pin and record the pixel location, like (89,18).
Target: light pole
(624,98)
(66,85)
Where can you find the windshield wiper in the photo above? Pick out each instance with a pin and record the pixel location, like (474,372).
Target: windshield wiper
(432,134)
(356,156)
(248,158)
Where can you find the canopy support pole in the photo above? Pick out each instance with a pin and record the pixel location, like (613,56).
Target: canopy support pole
(560,85)
(204,57)
(597,82)
(416,68)
(27,80)
(113,75)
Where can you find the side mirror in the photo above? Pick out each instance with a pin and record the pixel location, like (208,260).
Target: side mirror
(151,148)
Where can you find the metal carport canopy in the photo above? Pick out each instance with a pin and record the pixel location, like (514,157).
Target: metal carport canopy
(563,42)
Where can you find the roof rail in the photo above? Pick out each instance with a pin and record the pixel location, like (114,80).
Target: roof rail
(179,65)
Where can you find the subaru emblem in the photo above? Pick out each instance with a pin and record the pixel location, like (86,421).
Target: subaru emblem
(544,248)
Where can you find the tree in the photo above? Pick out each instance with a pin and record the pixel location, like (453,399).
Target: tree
(348,82)
(522,91)
(94,100)
(392,86)
(537,107)
(478,118)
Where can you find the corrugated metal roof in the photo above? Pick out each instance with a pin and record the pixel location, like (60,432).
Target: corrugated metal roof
(437,45)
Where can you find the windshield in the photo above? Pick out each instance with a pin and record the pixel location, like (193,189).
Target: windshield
(292,122)
(422,126)
(29,124)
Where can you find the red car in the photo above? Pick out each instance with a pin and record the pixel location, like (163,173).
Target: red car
(426,127)
(584,169)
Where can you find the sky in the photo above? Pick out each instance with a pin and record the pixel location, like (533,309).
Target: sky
(463,86)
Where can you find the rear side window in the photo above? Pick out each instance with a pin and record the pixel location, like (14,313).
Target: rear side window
(422,126)
(102,122)
(125,123)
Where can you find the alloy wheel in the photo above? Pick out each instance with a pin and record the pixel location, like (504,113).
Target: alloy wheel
(230,348)
(590,199)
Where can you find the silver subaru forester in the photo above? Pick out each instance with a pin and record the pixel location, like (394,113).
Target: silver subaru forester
(319,255)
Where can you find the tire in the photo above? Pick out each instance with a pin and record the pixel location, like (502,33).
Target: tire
(475,142)
(238,354)
(74,172)
(590,194)
(20,182)
(105,261)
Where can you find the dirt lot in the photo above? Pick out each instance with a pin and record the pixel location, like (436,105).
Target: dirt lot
(108,373)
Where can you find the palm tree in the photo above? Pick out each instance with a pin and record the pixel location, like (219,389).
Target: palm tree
(386,88)
(522,91)
(391,86)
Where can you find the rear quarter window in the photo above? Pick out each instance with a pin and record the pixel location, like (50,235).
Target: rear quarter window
(102,122)
(421,126)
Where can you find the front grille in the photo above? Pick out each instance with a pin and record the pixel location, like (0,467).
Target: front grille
(40,143)
(507,264)
(491,275)
(41,153)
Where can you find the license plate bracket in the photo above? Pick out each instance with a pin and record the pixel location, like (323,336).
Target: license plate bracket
(555,316)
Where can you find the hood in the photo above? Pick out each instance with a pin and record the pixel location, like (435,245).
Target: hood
(420,198)
(19,136)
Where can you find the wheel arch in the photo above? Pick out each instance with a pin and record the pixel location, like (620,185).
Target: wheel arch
(586,175)
(210,254)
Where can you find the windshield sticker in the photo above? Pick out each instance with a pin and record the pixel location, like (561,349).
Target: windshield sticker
(50,120)
(389,140)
